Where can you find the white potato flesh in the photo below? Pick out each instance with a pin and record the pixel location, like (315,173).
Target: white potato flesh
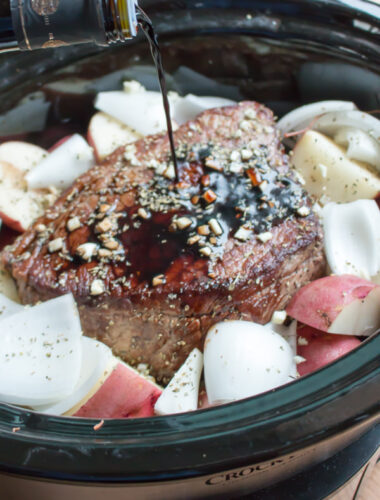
(22,155)
(18,206)
(344,304)
(360,316)
(106,134)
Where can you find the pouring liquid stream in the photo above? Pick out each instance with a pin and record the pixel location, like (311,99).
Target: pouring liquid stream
(146,25)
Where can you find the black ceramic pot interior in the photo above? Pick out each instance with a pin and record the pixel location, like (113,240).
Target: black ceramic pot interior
(282,60)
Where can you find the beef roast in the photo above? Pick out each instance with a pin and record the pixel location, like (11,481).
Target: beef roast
(154,261)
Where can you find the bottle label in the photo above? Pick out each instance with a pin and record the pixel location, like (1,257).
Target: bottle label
(54,23)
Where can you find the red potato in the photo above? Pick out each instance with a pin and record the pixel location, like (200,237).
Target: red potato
(145,409)
(50,136)
(105,134)
(22,155)
(12,223)
(124,394)
(321,348)
(15,137)
(59,143)
(203,401)
(7,236)
(18,206)
(338,304)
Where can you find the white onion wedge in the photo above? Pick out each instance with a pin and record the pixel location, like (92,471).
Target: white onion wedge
(331,123)
(352,238)
(289,333)
(360,146)
(8,307)
(141,111)
(242,359)
(97,362)
(181,394)
(22,155)
(188,107)
(63,165)
(40,353)
(302,117)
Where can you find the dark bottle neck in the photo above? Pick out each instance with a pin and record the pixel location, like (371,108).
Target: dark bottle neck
(52,23)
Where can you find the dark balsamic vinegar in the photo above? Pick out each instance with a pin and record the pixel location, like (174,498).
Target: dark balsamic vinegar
(146,25)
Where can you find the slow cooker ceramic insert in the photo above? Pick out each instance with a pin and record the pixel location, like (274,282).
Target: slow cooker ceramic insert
(302,441)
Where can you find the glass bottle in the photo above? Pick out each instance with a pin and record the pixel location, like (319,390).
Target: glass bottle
(35,24)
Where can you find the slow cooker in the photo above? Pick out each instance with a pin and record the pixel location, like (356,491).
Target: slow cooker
(305,440)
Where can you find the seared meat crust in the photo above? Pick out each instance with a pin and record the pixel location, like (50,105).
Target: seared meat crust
(149,294)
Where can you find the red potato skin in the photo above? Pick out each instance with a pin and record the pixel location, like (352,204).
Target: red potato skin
(320,302)
(124,394)
(203,401)
(7,236)
(322,348)
(52,135)
(59,143)
(11,223)
(91,142)
(16,137)
(146,409)
(99,158)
